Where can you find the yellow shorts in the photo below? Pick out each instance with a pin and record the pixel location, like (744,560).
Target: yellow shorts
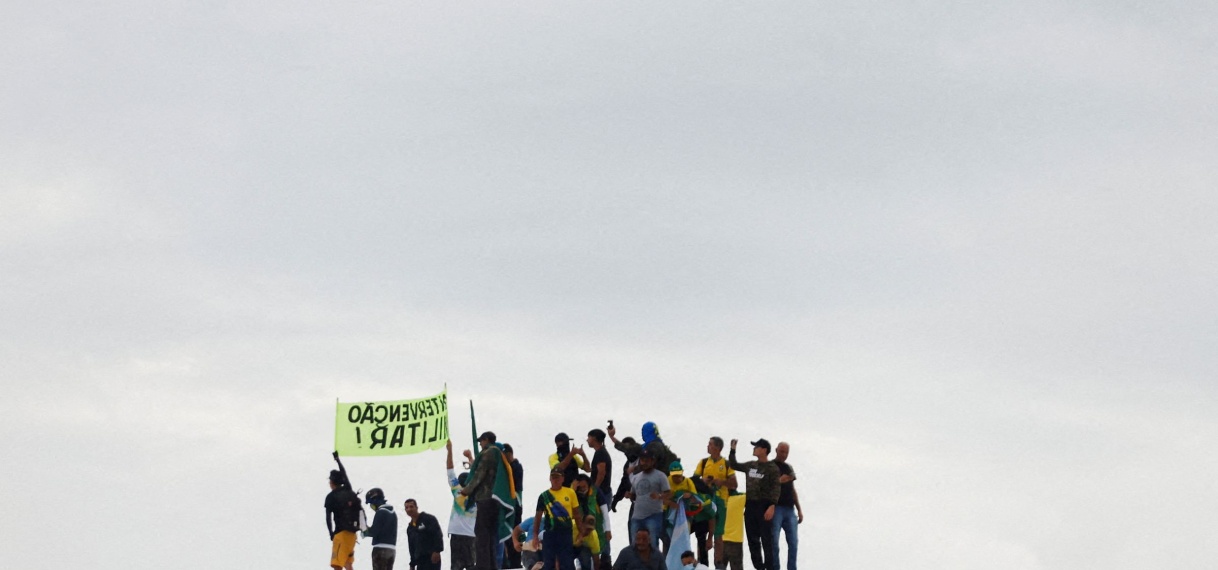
(342,551)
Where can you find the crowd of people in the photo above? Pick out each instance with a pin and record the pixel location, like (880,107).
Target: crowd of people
(570,522)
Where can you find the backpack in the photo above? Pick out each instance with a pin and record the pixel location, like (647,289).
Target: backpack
(699,485)
(349,511)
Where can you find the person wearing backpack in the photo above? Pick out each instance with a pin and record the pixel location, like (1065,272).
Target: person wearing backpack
(344,516)
(720,479)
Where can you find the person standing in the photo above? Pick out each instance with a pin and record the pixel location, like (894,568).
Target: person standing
(733,534)
(649,490)
(558,510)
(424,537)
(602,485)
(787,512)
(344,516)
(481,487)
(761,490)
(383,531)
(565,459)
(511,557)
(721,479)
(460,520)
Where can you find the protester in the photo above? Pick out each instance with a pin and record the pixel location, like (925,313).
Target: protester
(762,489)
(690,562)
(481,487)
(721,479)
(460,520)
(565,460)
(649,490)
(383,531)
(631,449)
(424,537)
(589,536)
(511,558)
(641,555)
(344,516)
(558,509)
(522,540)
(652,441)
(733,534)
(786,518)
(602,482)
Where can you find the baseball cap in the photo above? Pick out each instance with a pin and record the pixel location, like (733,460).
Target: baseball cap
(761,443)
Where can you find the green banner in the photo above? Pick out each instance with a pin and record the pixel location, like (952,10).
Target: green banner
(391,428)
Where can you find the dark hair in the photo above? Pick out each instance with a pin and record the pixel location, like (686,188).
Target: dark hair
(507,447)
(687,554)
(583,477)
(408,501)
(462,478)
(598,434)
(718,441)
(642,529)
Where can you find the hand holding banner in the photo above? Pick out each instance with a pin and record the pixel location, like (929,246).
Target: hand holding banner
(391,428)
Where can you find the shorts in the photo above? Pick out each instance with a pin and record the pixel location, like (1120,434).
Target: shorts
(342,549)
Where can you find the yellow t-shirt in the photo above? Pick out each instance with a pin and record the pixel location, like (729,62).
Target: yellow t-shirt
(717,469)
(564,496)
(579,461)
(733,527)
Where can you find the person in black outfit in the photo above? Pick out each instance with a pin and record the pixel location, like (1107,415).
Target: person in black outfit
(511,557)
(602,483)
(425,538)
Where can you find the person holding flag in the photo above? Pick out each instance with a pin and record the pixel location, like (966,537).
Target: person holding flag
(494,493)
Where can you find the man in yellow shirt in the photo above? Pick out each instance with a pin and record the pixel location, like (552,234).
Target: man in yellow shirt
(721,478)
(733,535)
(558,508)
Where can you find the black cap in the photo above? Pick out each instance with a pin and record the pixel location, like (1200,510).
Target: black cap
(562,436)
(487,435)
(646,453)
(375,496)
(762,443)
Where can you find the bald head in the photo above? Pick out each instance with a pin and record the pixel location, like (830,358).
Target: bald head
(781,451)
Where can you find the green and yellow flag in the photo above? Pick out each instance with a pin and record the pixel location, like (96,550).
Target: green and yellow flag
(391,428)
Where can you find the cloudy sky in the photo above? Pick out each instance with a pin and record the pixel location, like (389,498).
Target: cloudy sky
(961,255)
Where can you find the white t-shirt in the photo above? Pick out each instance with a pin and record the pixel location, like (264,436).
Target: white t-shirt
(461,521)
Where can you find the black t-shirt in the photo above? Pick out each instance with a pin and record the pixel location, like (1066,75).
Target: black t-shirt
(345,505)
(602,456)
(786,491)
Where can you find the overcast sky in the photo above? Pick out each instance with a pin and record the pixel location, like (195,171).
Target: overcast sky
(961,255)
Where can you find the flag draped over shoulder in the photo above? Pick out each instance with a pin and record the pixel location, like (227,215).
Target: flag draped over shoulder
(504,491)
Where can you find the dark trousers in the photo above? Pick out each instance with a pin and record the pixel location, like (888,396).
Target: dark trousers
(486,534)
(701,530)
(382,558)
(461,552)
(733,556)
(760,534)
(557,545)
